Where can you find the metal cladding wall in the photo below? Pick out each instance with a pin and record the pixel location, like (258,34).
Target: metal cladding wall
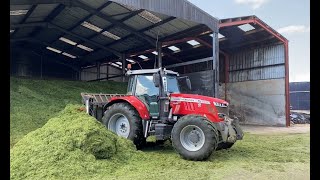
(202,82)
(259,63)
(91,73)
(256,88)
(30,64)
(300,95)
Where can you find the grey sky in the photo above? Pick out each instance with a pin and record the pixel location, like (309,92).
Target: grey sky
(290,17)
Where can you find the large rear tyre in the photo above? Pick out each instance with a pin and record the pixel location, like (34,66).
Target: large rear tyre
(124,120)
(194,137)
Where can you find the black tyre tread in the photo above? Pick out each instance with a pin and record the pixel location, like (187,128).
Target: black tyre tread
(214,137)
(224,145)
(134,118)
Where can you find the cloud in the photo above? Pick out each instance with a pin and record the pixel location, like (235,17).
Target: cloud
(300,77)
(255,4)
(294,29)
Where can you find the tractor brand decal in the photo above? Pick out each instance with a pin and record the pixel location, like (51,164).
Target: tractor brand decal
(165,85)
(199,101)
(220,104)
(177,109)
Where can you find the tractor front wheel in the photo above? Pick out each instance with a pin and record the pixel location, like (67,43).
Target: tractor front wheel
(194,137)
(124,120)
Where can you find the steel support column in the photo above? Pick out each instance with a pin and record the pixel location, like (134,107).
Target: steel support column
(215,63)
(123,59)
(159,50)
(98,70)
(107,71)
(226,72)
(287,94)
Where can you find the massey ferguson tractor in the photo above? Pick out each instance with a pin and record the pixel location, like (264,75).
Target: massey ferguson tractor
(154,106)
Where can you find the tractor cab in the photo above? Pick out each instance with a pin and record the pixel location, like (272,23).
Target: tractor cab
(142,84)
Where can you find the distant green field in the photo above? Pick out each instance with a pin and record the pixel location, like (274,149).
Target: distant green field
(34,102)
(277,156)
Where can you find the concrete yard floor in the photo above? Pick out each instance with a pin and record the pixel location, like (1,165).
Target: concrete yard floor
(293,129)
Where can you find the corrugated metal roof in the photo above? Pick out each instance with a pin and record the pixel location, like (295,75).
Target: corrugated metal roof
(48,35)
(83,31)
(94,3)
(41,12)
(99,21)
(117,19)
(177,8)
(114,9)
(137,22)
(69,17)
(101,39)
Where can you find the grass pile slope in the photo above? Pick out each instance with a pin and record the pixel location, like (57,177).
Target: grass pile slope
(34,102)
(72,145)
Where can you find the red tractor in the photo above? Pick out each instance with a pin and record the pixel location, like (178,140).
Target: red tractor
(154,106)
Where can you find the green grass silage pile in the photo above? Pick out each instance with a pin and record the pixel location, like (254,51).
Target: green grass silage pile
(72,145)
(34,102)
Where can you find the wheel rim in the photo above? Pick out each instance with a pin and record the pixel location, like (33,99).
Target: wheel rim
(119,124)
(192,138)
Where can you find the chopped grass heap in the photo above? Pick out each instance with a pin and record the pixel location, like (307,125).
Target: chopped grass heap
(33,102)
(73,144)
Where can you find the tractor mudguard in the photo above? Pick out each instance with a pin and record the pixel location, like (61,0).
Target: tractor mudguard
(240,134)
(230,130)
(133,101)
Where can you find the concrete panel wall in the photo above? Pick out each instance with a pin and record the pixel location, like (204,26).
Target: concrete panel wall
(259,102)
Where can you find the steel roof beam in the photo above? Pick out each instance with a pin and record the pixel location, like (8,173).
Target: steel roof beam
(84,39)
(30,11)
(197,27)
(144,29)
(248,43)
(34,24)
(49,18)
(37,2)
(113,21)
(50,25)
(133,13)
(85,19)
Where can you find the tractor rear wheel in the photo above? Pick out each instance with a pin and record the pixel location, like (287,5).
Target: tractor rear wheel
(124,120)
(194,137)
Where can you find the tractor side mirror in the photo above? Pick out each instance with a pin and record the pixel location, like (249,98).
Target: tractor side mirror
(188,83)
(156,79)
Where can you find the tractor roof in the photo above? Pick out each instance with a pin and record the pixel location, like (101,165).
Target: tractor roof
(149,71)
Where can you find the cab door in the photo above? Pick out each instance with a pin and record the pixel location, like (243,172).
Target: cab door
(146,91)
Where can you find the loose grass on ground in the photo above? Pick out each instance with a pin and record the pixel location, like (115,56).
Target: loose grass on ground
(75,145)
(34,102)
(63,148)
